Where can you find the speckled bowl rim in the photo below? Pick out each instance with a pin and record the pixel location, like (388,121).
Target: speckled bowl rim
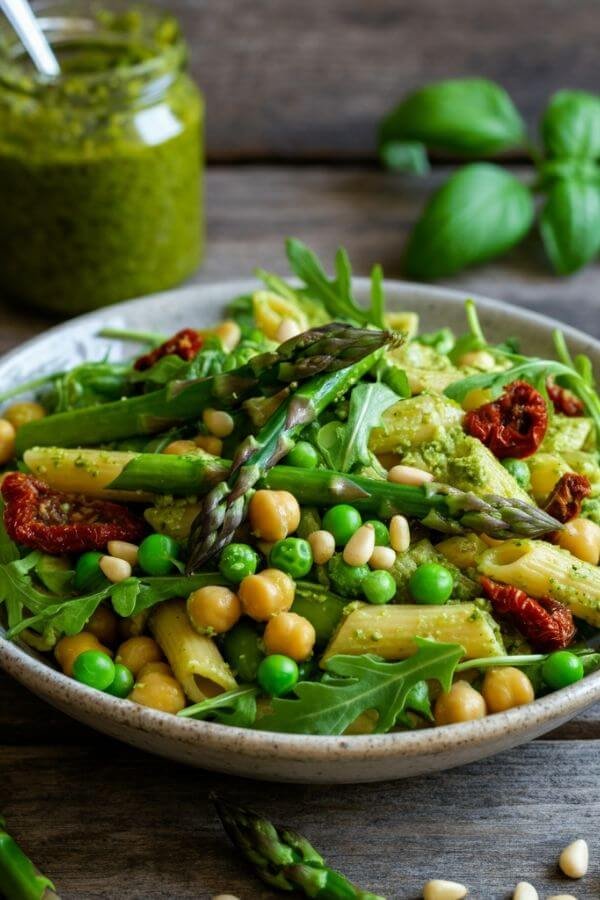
(553,708)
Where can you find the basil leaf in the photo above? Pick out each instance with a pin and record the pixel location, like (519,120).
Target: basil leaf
(405,156)
(571,125)
(480,212)
(469,115)
(570,224)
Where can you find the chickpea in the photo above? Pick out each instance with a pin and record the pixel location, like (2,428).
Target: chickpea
(265,594)
(137,651)
(69,648)
(162,667)
(104,625)
(273,514)
(505,688)
(159,691)
(179,448)
(7,441)
(581,537)
(209,443)
(213,609)
(461,703)
(21,413)
(290,634)
(218,422)
(132,626)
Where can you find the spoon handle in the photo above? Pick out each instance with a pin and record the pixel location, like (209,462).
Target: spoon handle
(22,19)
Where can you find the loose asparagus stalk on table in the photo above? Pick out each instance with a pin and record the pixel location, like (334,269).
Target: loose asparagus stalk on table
(320,350)
(224,507)
(19,878)
(284,859)
(446,509)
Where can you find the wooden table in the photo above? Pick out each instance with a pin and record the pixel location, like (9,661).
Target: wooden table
(294,92)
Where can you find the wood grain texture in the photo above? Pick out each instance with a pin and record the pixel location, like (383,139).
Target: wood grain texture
(312,80)
(114,823)
(107,821)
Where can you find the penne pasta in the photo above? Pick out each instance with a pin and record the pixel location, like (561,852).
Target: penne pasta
(390,631)
(544,570)
(195,659)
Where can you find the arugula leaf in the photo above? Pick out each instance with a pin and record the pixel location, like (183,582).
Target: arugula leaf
(237,708)
(466,115)
(479,213)
(354,684)
(345,445)
(336,294)
(417,700)
(570,224)
(571,125)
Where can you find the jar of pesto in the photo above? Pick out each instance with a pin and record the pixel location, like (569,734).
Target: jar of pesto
(100,168)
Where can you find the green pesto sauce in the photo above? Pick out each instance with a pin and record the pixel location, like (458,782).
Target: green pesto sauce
(100,175)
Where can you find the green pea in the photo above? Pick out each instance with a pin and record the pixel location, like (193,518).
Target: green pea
(382,535)
(561,669)
(277,675)
(303,455)
(379,587)
(94,668)
(88,574)
(156,554)
(342,521)
(346,580)
(237,561)
(241,648)
(431,583)
(122,683)
(519,471)
(293,556)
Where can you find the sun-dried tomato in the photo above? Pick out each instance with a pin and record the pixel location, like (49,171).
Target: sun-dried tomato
(563,400)
(564,502)
(514,424)
(185,344)
(48,520)
(546,623)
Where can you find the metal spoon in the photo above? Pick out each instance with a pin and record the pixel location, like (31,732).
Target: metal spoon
(21,17)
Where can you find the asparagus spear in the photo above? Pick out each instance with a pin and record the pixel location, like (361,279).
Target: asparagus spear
(19,878)
(325,349)
(284,859)
(110,473)
(224,507)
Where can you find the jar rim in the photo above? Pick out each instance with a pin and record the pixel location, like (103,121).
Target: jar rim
(78,22)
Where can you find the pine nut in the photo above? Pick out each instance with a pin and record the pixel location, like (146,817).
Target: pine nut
(115,569)
(229,333)
(444,890)
(574,859)
(287,329)
(382,558)
(409,475)
(399,534)
(525,891)
(478,359)
(218,422)
(209,443)
(124,550)
(359,549)
(178,448)
(322,544)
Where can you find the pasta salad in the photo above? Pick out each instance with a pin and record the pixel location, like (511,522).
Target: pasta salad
(311,518)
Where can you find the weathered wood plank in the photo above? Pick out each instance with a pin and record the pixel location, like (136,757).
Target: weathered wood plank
(251,209)
(311,80)
(128,826)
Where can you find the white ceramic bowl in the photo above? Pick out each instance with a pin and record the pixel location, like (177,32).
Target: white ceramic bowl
(260,754)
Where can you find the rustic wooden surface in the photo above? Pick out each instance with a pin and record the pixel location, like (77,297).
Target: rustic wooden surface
(311,80)
(108,821)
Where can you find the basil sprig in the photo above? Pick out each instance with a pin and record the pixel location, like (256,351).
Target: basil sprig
(482,210)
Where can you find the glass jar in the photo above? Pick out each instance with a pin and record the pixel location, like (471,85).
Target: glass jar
(100,168)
